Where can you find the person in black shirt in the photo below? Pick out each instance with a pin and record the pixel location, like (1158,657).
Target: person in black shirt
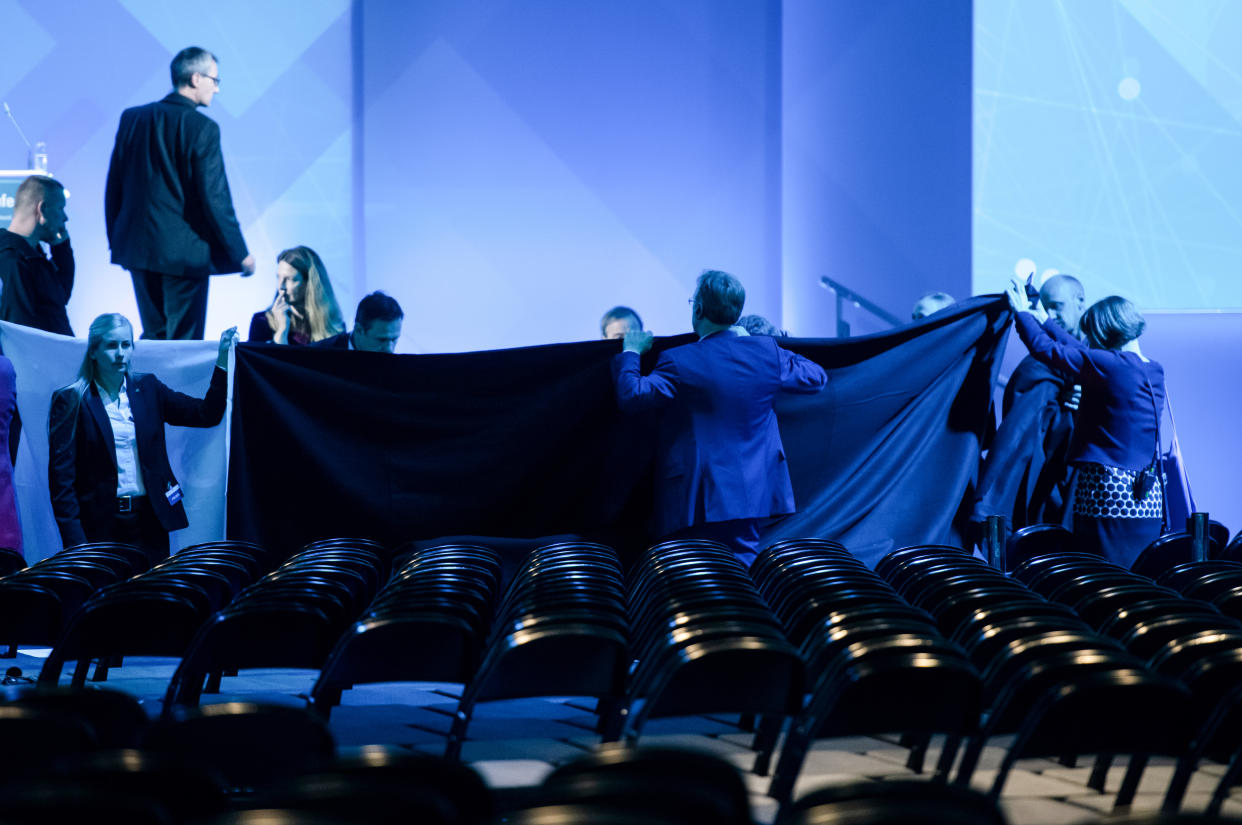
(36,289)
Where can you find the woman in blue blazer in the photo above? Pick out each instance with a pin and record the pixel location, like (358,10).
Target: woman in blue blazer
(1118,498)
(108,470)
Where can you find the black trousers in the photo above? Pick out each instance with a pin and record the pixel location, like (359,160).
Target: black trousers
(172,307)
(139,526)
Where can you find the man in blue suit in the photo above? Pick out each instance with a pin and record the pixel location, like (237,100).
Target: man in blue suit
(720,463)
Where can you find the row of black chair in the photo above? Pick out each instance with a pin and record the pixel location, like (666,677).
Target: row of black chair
(1066,638)
(290,617)
(559,631)
(37,602)
(1178,638)
(704,639)
(428,623)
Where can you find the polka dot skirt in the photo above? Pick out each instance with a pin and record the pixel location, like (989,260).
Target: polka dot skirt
(1108,492)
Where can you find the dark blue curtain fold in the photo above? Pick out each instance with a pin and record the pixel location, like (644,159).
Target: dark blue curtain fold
(528,442)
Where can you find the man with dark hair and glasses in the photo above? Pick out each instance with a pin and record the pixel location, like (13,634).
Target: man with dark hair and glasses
(167,204)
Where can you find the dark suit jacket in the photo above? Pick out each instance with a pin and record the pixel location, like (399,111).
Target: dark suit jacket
(720,455)
(1025,477)
(338,341)
(36,290)
(81,470)
(167,203)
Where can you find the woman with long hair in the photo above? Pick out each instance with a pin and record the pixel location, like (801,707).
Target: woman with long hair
(108,471)
(1118,495)
(304,310)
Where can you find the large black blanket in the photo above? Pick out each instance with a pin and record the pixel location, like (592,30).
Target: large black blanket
(529,442)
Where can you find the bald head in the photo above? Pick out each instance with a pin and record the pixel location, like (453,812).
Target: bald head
(930,304)
(1063,297)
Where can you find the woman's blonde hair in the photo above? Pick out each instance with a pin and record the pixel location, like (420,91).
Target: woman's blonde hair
(323,316)
(88,373)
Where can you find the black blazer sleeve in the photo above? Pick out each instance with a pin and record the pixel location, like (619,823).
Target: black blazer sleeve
(217,200)
(62,258)
(260,329)
(183,410)
(62,427)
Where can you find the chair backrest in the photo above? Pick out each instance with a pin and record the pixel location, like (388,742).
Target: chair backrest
(1096,713)
(116,719)
(33,737)
(381,784)
(893,801)
(250,745)
(10,561)
(685,785)
(1170,550)
(1036,540)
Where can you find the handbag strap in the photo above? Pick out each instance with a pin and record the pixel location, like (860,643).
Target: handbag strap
(1175,447)
(1157,464)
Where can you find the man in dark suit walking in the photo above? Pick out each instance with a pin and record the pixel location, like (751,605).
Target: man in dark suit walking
(720,462)
(167,204)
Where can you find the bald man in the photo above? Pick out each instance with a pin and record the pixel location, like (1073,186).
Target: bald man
(1026,478)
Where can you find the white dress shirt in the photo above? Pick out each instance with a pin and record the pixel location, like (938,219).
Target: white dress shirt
(128,470)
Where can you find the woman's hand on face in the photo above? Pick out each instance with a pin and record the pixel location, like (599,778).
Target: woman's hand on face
(281,309)
(227,339)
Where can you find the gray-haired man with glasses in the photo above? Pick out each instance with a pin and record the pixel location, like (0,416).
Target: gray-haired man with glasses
(167,204)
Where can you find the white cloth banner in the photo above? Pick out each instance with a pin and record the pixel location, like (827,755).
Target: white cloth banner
(45,362)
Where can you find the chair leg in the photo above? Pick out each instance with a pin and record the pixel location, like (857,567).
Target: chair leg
(918,744)
(1129,785)
(605,706)
(766,737)
(1001,775)
(948,755)
(613,724)
(213,681)
(457,733)
(11,653)
(101,669)
(789,765)
(79,673)
(1099,772)
(1232,773)
(970,760)
(1177,785)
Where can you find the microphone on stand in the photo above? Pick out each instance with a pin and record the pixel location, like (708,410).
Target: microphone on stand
(37,154)
(20,133)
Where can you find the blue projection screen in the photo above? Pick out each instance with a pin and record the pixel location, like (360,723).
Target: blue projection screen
(1106,143)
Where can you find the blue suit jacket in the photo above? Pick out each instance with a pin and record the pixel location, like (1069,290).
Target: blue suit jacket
(720,455)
